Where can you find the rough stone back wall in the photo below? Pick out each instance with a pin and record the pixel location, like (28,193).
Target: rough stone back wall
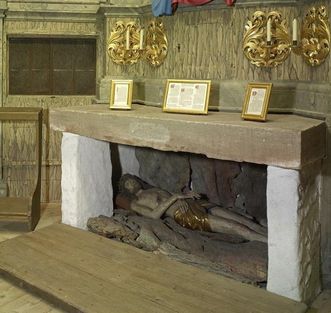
(237,185)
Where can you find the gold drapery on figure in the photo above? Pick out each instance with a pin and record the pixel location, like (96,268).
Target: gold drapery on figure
(191,215)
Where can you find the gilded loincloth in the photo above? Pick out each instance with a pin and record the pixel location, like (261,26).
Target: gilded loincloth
(191,215)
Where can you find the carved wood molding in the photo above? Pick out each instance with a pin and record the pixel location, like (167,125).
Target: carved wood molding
(45,28)
(143,9)
(63,6)
(122,7)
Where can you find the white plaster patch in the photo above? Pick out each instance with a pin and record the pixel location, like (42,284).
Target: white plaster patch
(86,179)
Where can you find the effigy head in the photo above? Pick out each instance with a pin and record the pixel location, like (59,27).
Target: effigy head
(130,183)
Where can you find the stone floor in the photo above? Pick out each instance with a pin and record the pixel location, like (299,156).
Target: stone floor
(16,300)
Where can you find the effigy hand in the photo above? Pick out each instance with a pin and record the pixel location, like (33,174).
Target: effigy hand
(182,207)
(190,195)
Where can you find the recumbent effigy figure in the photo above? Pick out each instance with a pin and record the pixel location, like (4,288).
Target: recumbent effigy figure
(185,209)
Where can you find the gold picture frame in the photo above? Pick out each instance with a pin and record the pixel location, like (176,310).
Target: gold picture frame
(186,96)
(121,94)
(256,101)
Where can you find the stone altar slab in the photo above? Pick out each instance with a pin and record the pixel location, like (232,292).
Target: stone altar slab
(287,141)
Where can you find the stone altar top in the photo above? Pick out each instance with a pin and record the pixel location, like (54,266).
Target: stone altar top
(287,141)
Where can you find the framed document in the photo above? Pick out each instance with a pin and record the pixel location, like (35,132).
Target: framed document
(121,94)
(256,101)
(186,96)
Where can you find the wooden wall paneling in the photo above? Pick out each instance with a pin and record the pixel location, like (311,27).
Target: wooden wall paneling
(18,207)
(20,174)
(207,44)
(203,44)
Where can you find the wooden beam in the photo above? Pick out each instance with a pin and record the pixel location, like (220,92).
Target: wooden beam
(19,114)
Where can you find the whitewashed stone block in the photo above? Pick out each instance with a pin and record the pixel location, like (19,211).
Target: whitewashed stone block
(294,232)
(86,179)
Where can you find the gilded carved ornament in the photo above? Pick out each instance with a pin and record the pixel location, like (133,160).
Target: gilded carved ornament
(156,43)
(315,36)
(257,48)
(267,42)
(123,43)
(128,43)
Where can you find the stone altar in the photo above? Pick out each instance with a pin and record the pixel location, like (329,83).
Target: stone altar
(291,146)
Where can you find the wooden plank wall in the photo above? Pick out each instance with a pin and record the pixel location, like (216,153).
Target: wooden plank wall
(207,44)
(19,138)
(19,149)
(203,44)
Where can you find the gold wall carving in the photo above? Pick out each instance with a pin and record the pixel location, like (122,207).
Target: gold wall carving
(123,50)
(128,43)
(314,45)
(156,43)
(315,36)
(217,55)
(255,46)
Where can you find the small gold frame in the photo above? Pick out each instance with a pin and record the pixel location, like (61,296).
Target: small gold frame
(121,94)
(186,96)
(256,101)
